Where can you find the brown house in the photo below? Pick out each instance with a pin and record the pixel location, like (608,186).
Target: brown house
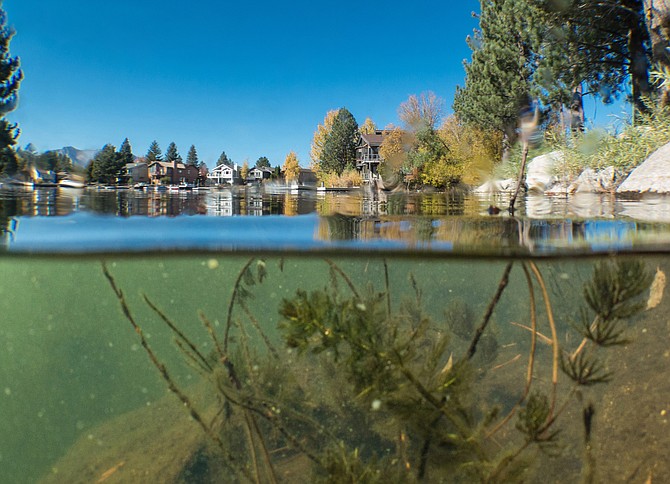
(175,173)
(367,155)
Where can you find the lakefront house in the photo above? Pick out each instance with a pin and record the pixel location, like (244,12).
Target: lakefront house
(258,174)
(224,174)
(367,155)
(174,173)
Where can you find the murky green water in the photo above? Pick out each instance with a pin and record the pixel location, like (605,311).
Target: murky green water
(81,400)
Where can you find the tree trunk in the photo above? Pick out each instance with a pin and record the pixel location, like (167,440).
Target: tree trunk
(657,17)
(509,138)
(577,110)
(638,36)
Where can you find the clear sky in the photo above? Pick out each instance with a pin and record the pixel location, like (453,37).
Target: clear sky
(248,78)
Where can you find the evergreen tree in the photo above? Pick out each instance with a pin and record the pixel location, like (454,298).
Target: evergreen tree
(172,154)
(223,159)
(262,162)
(498,78)
(126,152)
(339,149)
(154,153)
(594,46)
(192,157)
(10,79)
(107,166)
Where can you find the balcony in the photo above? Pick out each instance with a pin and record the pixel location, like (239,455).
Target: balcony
(373,158)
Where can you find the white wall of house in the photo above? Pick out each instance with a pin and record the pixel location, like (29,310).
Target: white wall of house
(223,174)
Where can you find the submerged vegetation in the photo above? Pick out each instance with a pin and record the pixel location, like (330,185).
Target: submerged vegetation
(358,384)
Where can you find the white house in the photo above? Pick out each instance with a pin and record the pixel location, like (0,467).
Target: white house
(224,174)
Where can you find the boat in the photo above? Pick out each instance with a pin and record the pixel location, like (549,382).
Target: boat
(71,183)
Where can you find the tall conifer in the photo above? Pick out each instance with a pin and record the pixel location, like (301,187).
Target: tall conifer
(154,153)
(192,157)
(339,149)
(10,79)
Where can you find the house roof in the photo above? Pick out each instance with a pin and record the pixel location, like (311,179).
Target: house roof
(169,164)
(222,166)
(372,139)
(263,168)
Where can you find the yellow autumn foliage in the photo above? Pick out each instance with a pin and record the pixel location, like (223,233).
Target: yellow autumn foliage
(349,178)
(368,127)
(291,167)
(477,150)
(320,135)
(394,148)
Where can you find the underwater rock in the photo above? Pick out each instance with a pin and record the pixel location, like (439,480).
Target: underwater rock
(460,319)
(656,290)
(138,446)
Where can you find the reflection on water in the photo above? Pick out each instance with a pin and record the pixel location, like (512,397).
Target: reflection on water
(256,201)
(432,222)
(339,367)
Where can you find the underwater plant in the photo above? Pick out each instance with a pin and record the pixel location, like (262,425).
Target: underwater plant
(358,384)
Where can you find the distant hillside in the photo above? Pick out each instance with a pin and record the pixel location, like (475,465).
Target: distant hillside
(78,157)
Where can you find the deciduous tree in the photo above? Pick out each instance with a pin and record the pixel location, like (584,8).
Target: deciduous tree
(320,135)
(244,171)
(368,127)
(421,111)
(291,167)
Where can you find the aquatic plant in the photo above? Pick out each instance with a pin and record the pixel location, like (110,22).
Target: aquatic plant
(360,385)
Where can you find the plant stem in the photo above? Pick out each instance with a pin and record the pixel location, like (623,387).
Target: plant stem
(504,280)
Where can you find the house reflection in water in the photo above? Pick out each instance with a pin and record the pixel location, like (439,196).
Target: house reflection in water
(491,236)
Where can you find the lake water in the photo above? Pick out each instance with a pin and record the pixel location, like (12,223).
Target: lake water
(360,339)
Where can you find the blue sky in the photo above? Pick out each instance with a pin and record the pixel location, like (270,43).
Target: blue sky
(248,78)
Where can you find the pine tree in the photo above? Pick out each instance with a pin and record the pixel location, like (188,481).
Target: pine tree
(593,46)
(107,165)
(192,157)
(126,152)
(263,162)
(339,149)
(10,79)
(498,78)
(172,154)
(224,160)
(154,153)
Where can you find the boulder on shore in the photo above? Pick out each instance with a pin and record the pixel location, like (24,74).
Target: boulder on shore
(541,172)
(652,176)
